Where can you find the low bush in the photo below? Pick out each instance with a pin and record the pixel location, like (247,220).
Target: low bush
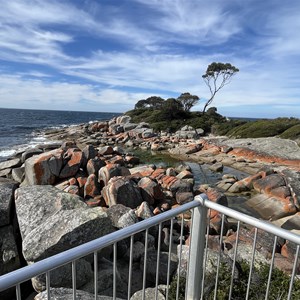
(279,285)
(292,133)
(263,128)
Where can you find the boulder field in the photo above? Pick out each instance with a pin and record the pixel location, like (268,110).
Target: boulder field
(62,194)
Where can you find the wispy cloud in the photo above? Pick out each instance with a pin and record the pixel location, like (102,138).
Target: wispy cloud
(192,21)
(22,92)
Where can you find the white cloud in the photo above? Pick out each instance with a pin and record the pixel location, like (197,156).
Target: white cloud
(20,92)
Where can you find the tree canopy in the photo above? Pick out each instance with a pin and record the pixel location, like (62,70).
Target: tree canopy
(217,75)
(188,101)
(153,102)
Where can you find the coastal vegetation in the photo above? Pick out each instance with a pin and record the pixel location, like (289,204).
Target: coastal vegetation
(171,114)
(279,286)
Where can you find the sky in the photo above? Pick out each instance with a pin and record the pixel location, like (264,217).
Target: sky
(105,55)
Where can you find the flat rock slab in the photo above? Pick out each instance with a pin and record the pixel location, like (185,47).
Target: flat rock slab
(282,148)
(16,162)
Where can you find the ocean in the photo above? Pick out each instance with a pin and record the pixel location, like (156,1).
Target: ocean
(23,128)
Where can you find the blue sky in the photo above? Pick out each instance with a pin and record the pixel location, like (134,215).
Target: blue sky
(106,55)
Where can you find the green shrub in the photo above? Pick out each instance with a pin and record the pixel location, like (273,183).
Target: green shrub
(263,128)
(224,127)
(173,288)
(279,285)
(291,133)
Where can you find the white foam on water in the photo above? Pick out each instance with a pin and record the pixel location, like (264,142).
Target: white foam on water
(7,152)
(37,139)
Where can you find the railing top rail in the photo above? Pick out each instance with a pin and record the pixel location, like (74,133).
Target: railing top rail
(60,259)
(264,225)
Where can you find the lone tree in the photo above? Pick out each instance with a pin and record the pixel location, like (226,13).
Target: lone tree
(216,76)
(188,101)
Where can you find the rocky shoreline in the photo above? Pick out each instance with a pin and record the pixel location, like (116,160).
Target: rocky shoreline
(87,184)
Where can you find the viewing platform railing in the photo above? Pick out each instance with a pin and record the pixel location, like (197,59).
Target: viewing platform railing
(195,280)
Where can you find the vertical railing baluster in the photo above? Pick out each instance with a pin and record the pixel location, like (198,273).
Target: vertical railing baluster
(48,285)
(293,273)
(179,261)
(96,274)
(252,264)
(271,268)
(74,278)
(158,260)
(145,263)
(205,254)
(130,267)
(169,257)
(18,292)
(234,258)
(197,249)
(115,273)
(219,257)
(187,270)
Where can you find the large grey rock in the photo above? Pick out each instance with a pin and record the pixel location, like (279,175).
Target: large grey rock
(5,173)
(183,267)
(94,165)
(127,219)
(109,171)
(115,212)
(186,132)
(18,174)
(123,119)
(44,168)
(65,230)
(16,162)
(116,128)
(149,294)
(7,189)
(121,190)
(52,221)
(35,204)
(163,266)
(62,277)
(129,126)
(105,280)
(29,153)
(89,152)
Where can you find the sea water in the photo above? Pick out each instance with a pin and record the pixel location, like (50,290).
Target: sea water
(23,128)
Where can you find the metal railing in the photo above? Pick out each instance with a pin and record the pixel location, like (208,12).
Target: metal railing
(195,279)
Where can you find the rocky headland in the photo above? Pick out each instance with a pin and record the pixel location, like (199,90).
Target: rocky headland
(88,183)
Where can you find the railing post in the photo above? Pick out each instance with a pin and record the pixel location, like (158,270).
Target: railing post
(195,268)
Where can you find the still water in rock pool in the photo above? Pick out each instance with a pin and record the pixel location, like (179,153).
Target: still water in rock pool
(202,175)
